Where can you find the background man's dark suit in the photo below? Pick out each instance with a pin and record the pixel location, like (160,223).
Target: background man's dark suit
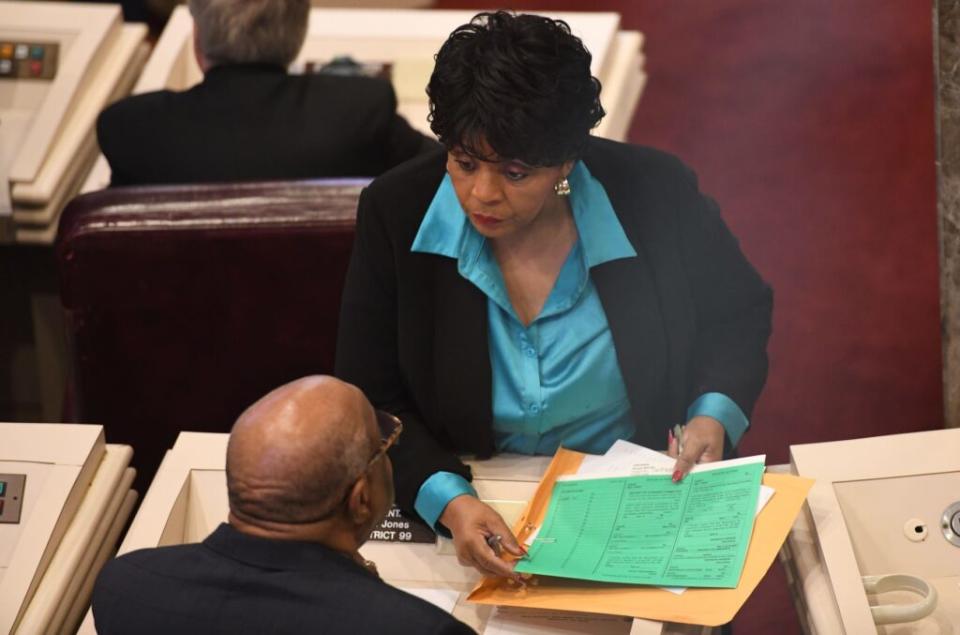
(233,583)
(254,121)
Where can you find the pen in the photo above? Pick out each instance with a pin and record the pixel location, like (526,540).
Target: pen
(494,543)
(678,435)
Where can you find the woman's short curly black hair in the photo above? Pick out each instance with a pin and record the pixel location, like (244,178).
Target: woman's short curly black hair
(521,83)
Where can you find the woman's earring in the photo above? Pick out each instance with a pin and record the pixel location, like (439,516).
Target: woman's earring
(562,187)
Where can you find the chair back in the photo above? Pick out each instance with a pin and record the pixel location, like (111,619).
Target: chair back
(184,304)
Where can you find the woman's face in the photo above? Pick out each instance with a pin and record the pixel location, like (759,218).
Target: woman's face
(502,197)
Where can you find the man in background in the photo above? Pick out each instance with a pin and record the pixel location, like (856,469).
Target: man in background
(249,119)
(308,477)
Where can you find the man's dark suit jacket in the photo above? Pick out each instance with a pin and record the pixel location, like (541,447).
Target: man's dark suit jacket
(233,583)
(249,122)
(688,316)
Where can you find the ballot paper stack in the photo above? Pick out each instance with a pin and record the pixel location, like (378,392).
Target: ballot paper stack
(609,534)
(621,518)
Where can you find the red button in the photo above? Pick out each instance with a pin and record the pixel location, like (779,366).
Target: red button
(36,68)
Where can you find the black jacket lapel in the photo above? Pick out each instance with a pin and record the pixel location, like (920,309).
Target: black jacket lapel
(629,299)
(628,292)
(462,360)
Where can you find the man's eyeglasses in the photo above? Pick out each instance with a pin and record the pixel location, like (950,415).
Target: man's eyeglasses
(390,429)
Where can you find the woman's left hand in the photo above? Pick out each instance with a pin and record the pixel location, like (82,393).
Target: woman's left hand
(702,443)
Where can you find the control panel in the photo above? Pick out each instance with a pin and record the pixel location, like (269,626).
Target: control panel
(11,497)
(28,60)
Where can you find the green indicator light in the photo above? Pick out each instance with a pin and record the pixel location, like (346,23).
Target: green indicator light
(3,488)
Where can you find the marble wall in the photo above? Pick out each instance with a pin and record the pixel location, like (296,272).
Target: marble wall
(947,23)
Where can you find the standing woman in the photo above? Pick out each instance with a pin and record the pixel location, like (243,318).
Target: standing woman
(532,286)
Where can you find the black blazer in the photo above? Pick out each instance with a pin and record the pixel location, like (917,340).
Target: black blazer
(249,121)
(232,583)
(688,316)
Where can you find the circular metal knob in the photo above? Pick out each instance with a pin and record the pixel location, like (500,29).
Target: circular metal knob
(950,524)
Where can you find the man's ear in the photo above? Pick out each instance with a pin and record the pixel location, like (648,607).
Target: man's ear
(359,502)
(198,55)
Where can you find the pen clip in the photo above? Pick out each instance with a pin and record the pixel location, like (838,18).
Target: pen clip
(678,435)
(494,542)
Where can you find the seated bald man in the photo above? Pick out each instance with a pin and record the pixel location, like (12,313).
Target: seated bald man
(308,477)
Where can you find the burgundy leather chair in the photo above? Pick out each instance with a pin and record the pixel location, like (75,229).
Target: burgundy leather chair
(184,304)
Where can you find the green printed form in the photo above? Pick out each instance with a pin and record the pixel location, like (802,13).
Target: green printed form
(648,529)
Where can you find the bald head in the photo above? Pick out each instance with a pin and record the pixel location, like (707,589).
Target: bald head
(293,454)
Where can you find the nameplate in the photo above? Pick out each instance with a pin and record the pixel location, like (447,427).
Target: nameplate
(397,527)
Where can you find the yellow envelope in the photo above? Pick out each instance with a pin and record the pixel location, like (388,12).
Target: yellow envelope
(709,607)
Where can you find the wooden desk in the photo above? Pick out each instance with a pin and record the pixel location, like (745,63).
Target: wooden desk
(861,519)
(76,500)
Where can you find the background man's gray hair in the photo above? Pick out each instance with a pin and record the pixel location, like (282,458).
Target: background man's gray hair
(250,31)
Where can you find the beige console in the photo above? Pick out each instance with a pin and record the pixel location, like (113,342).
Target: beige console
(882,506)
(188,499)
(72,496)
(406,39)
(60,64)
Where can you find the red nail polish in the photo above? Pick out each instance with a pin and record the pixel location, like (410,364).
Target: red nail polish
(677,475)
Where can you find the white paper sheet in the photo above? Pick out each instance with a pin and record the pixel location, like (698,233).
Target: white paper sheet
(509,620)
(629,459)
(623,458)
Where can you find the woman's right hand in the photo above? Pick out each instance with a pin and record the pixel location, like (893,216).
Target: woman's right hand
(472,522)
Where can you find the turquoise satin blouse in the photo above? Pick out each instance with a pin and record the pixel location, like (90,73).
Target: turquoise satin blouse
(557,380)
